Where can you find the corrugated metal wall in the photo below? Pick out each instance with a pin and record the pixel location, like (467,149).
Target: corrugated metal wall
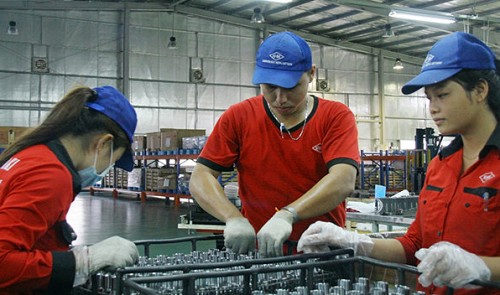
(88,48)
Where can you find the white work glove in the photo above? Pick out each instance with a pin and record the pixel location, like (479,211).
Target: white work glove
(320,235)
(447,264)
(239,235)
(109,254)
(274,233)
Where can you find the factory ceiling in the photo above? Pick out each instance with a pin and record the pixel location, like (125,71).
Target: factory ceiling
(361,25)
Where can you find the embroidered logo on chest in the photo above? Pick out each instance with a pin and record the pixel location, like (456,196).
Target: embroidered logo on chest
(486,176)
(317,148)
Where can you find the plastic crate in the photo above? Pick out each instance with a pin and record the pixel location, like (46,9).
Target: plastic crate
(396,206)
(311,272)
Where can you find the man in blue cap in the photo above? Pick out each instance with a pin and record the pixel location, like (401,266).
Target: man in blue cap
(41,173)
(296,154)
(454,238)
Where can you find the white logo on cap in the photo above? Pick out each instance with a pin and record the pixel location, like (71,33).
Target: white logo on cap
(276,55)
(428,61)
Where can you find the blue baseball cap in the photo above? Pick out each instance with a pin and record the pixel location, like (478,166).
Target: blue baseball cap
(450,55)
(114,105)
(281,60)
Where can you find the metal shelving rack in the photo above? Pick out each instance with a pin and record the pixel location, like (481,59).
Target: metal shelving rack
(387,168)
(144,162)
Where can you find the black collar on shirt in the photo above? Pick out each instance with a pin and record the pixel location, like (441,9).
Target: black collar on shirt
(309,116)
(457,144)
(60,151)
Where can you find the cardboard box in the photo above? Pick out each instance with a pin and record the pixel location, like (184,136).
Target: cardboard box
(168,182)
(171,139)
(194,142)
(153,141)
(140,143)
(165,171)
(8,134)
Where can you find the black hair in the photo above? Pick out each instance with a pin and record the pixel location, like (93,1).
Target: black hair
(70,116)
(470,78)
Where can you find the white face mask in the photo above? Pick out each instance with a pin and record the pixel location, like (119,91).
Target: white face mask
(89,175)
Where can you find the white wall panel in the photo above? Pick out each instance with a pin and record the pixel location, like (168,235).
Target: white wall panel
(15,56)
(227,47)
(173,118)
(206,45)
(226,96)
(52,88)
(74,30)
(206,120)
(86,48)
(148,120)
(17,85)
(14,118)
(144,40)
(144,93)
(80,62)
(110,36)
(226,72)
(176,95)
(145,18)
(206,97)
(360,104)
(144,66)
(108,64)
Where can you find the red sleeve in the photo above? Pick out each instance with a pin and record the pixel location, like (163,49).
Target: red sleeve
(222,146)
(412,241)
(341,139)
(33,198)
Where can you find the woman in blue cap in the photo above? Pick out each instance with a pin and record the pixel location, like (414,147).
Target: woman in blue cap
(454,238)
(87,132)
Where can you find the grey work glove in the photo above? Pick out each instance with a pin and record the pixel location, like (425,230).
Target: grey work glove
(109,254)
(239,235)
(447,264)
(320,235)
(274,233)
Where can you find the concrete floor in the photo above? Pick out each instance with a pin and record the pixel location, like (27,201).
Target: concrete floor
(95,218)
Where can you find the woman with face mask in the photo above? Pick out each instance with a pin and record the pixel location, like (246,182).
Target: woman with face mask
(87,132)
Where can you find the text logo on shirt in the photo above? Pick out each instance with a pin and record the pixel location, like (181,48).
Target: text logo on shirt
(9,164)
(487,176)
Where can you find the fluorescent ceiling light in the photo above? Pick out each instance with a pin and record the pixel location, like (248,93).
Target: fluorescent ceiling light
(433,18)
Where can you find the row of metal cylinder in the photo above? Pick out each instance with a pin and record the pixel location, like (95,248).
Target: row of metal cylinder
(274,283)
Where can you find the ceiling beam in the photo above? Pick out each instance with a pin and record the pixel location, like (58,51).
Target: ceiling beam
(308,36)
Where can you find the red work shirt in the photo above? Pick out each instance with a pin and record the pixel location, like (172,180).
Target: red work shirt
(273,169)
(463,209)
(37,186)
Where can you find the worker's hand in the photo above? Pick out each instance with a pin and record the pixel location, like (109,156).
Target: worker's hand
(274,233)
(320,235)
(239,235)
(447,264)
(110,254)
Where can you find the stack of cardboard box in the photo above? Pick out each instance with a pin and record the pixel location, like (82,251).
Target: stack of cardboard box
(169,139)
